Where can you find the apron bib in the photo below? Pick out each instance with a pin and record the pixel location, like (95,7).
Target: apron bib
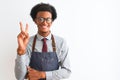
(44,61)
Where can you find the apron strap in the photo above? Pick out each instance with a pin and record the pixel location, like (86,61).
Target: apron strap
(33,45)
(53,43)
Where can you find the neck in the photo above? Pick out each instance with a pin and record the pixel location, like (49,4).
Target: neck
(44,34)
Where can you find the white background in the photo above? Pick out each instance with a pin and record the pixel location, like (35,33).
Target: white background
(94,54)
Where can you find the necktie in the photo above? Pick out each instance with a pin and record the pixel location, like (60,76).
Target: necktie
(44,48)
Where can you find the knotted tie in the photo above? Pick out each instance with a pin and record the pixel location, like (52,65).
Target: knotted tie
(44,49)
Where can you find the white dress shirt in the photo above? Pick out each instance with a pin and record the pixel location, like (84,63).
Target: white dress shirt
(23,61)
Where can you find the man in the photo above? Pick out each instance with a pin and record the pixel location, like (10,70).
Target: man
(43,56)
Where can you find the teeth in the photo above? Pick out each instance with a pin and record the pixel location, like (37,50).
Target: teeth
(44,26)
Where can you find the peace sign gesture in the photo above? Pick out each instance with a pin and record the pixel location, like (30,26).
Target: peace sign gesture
(23,38)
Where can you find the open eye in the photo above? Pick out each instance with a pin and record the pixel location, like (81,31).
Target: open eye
(48,20)
(41,19)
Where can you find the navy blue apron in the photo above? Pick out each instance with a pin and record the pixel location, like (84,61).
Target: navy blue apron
(44,61)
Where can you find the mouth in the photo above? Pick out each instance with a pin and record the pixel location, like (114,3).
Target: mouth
(44,27)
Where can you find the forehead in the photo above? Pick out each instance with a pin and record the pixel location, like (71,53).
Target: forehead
(44,14)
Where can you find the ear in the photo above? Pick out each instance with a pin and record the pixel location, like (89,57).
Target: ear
(35,21)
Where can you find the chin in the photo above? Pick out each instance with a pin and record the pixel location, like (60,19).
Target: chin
(44,31)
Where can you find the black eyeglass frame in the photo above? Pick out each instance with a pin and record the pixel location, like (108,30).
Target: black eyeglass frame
(41,19)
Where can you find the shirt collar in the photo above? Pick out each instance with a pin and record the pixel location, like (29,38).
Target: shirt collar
(41,37)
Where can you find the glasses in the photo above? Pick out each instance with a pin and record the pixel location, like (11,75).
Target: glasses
(41,19)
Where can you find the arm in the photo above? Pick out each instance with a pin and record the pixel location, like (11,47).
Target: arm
(64,70)
(22,53)
(21,64)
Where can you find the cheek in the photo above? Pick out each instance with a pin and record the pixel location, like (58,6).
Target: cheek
(42,24)
(49,25)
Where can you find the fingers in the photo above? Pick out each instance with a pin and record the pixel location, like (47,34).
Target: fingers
(22,35)
(34,74)
(21,28)
(26,29)
(29,69)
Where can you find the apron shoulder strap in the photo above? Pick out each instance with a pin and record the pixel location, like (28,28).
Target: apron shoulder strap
(53,43)
(34,41)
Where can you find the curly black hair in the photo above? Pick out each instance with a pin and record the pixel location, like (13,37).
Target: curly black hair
(43,7)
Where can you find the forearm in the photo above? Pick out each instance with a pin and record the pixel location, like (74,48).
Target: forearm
(61,73)
(64,70)
(21,63)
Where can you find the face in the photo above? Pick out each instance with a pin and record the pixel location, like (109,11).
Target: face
(43,21)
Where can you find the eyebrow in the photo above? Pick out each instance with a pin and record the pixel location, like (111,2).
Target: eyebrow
(43,17)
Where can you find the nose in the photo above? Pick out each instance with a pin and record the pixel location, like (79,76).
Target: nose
(44,22)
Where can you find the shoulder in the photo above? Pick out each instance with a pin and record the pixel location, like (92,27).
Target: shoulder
(31,40)
(59,39)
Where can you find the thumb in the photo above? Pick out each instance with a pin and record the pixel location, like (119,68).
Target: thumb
(29,68)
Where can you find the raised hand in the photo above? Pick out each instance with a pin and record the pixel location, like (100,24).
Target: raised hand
(23,38)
